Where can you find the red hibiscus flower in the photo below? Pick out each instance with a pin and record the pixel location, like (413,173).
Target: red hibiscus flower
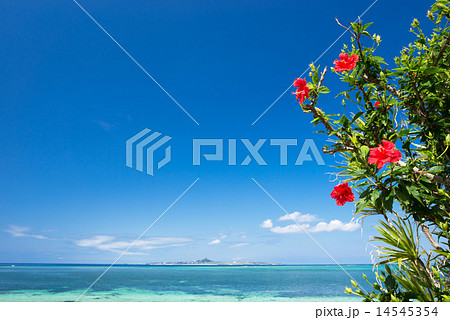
(383,154)
(346,63)
(299,83)
(302,90)
(376,104)
(342,193)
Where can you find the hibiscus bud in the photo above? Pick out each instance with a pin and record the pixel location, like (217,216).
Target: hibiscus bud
(376,38)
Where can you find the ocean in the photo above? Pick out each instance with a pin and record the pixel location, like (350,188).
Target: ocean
(180,283)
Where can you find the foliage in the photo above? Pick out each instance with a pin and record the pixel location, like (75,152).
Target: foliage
(408,105)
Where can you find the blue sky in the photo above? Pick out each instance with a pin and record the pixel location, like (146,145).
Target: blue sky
(70,98)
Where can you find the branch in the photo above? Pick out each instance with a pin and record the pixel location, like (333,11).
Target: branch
(422,105)
(318,113)
(433,242)
(348,29)
(340,149)
(432,177)
(389,88)
(322,76)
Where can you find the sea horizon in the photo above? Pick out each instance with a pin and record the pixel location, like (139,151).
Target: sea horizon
(155,264)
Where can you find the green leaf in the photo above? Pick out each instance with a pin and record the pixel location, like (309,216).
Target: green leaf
(362,203)
(375,195)
(324,90)
(433,70)
(436,169)
(364,27)
(378,59)
(315,78)
(403,132)
(388,200)
(344,121)
(414,191)
(364,151)
(359,172)
(402,195)
(356,116)
(390,283)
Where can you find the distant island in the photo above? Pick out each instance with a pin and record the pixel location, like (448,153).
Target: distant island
(208,262)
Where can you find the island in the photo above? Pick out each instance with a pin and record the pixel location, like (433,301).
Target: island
(208,262)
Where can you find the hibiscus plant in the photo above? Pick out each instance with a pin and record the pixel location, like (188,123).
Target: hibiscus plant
(396,153)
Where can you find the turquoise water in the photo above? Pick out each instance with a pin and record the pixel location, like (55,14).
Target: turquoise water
(180,283)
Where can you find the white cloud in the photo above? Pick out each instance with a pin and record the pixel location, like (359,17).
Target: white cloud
(292,228)
(108,127)
(303,224)
(109,243)
(94,241)
(334,225)
(217,241)
(21,231)
(237,245)
(267,224)
(298,217)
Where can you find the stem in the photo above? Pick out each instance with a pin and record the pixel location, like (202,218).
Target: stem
(441,53)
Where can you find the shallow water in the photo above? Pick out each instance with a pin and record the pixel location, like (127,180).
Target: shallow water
(180,283)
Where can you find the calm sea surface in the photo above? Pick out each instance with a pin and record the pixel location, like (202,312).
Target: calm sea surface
(180,283)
